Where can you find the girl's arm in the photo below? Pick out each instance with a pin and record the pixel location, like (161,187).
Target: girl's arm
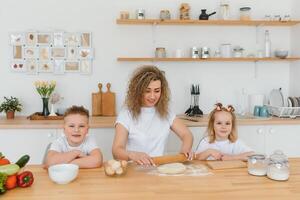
(185,136)
(207,153)
(241,156)
(93,160)
(54,157)
(119,148)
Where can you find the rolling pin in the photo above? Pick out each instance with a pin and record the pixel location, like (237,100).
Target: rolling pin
(160,160)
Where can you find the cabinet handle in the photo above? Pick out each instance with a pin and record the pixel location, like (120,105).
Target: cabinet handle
(272,130)
(260,131)
(50,135)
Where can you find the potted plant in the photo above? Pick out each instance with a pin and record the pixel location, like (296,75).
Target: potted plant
(9,106)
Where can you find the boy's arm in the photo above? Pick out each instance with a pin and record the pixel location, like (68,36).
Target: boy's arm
(93,160)
(241,156)
(54,157)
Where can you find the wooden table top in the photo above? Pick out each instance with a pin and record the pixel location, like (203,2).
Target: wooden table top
(108,122)
(226,184)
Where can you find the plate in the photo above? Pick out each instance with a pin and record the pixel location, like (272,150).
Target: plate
(276,98)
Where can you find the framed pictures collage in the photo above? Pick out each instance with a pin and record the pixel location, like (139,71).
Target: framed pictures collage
(59,52)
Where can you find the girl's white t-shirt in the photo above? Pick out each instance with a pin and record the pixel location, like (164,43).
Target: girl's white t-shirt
(61,145)
(148,133)
(224,146)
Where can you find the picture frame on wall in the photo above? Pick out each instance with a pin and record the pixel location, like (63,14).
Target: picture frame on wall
(45,66)
(85,39)
(16,38)
(18,52)
(31,38)
(58,39)
(72,52)
(58,52)
(59,66)
(85,53)
(32,66)
(30,52)
(44,52)
(18,66)
(44,38)
(72,66)
(86,66)
(72,39)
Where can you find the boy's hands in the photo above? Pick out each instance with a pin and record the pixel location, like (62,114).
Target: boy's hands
(78,153)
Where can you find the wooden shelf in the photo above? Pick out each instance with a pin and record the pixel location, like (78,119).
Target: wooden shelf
(147,59)
(206,22)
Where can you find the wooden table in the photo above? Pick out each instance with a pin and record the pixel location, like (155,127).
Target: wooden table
(229,184)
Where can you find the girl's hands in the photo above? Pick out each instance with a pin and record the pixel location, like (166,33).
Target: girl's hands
(216,154)
(140,158)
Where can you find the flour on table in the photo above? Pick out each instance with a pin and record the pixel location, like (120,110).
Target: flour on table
(172,168)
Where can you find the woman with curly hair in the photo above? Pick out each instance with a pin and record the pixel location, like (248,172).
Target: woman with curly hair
(143,125)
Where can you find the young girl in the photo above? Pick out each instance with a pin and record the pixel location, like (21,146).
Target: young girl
(222,142)
(143,126)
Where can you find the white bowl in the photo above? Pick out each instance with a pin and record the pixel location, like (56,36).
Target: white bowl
(63,173)
(281,53)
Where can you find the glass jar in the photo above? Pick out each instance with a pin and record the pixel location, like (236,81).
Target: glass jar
(224,11)
(278,168)
(245,13)
(160,52)
(257,165)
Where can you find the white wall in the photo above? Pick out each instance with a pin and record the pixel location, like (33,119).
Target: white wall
(218,81)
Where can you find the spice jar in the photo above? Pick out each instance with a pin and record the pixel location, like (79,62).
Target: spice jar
(238,52)
(160,52)
(257,165)
(164,14)
(245,13)
(278,168)
(140,14)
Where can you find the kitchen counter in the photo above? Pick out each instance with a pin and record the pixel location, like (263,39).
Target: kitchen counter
(108,122)
(226,184)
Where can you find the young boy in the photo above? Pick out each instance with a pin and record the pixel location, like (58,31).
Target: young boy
(76,146)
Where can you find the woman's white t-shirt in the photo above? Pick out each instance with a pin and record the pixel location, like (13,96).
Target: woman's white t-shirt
(61,145)
(148,133)
(224,146)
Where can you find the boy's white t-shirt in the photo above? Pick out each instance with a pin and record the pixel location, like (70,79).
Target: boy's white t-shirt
(224,146)
(61,145)
(148,133)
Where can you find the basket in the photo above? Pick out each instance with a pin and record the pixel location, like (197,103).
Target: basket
(284,111)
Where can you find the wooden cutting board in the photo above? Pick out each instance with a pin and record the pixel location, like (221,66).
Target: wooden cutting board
(226,164)
(97,102)
(108,102)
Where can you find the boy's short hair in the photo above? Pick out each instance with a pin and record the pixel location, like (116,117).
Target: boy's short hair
(77,110)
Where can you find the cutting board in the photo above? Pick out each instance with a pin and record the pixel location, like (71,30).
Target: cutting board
(230,164)
(108,102)
(97,102)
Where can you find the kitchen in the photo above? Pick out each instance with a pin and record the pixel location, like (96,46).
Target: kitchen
(219,81)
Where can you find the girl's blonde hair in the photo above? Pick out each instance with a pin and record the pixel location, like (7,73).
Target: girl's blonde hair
(138,84)
(210,128)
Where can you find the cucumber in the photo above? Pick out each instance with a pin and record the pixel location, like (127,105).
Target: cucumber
(23,161)
(9,169)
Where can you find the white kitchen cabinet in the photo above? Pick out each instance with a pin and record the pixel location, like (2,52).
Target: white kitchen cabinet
(268,138)
(14,143)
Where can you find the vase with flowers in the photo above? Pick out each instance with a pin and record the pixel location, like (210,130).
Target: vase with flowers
(45,88)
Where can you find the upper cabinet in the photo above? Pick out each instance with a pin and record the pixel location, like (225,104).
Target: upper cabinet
(255,23)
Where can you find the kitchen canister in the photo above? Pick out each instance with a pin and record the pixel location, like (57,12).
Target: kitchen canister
(224,11)
(205,52)
(257,165)
(195,52)
(160,52)
(225,50)
(164,14)
(140,14)
(278,168)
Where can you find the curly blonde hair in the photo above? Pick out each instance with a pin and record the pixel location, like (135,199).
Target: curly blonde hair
(210,128)
(138,84)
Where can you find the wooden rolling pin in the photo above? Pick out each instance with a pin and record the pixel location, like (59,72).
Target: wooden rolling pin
(160,160)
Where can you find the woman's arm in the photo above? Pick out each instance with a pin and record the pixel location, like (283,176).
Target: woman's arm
(119,148)
(185,136)
(54,157)
(93,160)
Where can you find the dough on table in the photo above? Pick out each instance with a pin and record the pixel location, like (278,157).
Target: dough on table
(172,168)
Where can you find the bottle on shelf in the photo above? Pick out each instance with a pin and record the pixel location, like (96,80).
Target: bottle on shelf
(267,44)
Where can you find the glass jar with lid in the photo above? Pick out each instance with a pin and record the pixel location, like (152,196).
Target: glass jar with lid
(257,165)
(245,13)
(278,168)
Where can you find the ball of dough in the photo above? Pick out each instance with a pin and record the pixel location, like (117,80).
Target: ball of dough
(172,168)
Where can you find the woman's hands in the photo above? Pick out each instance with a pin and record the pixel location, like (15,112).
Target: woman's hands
(188,153)
(140,158)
